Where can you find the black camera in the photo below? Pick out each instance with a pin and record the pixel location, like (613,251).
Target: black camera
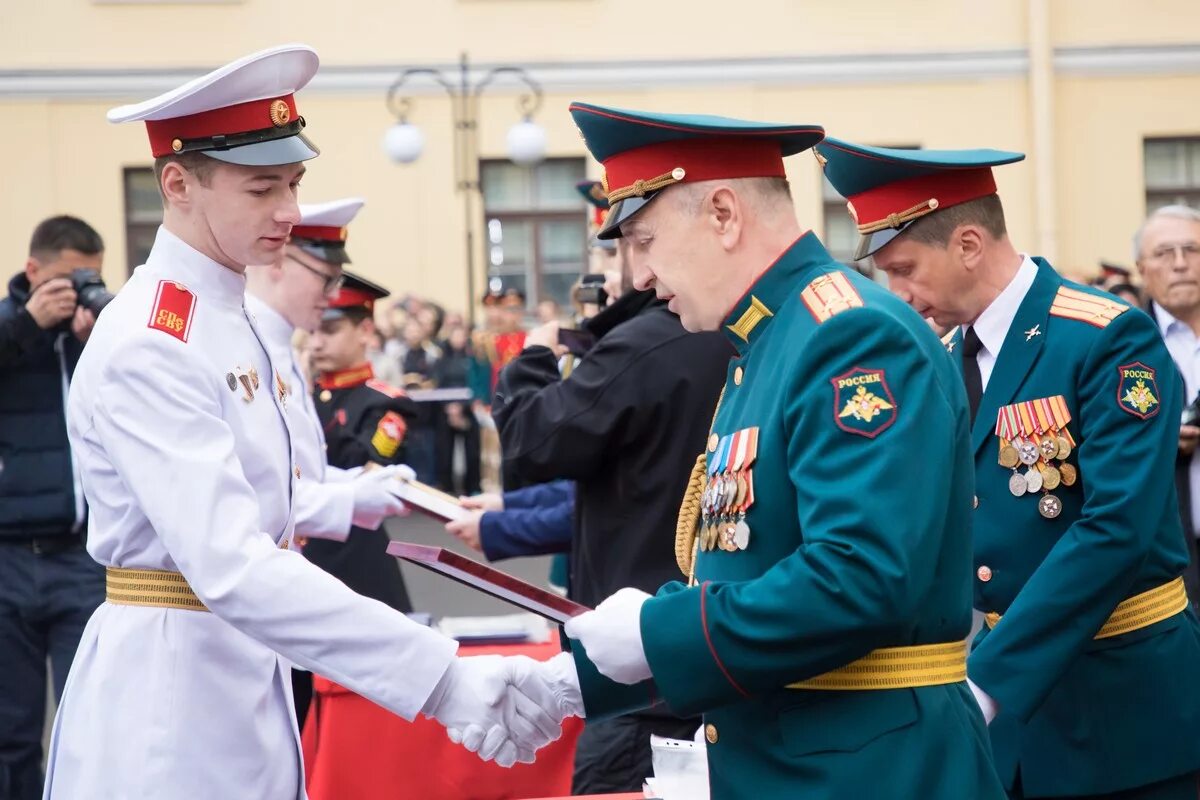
(591,290)
(90,291)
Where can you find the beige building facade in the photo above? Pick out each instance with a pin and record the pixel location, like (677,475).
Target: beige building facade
(1103,96)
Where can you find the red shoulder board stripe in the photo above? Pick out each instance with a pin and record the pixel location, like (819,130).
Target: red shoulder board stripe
(172,312)
(380,386)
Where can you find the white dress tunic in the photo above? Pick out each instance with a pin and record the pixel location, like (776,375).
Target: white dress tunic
(324,501)
(184,468)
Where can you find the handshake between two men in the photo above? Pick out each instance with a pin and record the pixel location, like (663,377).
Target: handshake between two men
(504,709)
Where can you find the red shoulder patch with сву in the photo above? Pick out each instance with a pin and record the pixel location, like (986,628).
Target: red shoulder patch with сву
(383,388)
(172,311)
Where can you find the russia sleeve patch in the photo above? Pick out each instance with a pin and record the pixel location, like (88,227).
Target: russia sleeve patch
(172,311)
(862,402)
(1137,392)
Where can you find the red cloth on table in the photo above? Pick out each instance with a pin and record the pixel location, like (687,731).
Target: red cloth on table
(356,750)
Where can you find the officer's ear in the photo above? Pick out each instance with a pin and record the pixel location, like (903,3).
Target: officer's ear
(969,242)
(724,213)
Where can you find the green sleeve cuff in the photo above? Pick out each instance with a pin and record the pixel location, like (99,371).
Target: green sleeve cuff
(685,664)
(604,698)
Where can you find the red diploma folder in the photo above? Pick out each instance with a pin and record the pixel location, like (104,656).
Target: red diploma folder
(542,602)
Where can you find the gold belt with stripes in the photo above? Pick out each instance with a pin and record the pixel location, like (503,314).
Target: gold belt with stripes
(150,587)
(896,668)
(1140,611)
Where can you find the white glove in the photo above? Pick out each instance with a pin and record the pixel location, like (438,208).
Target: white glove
(560,679)
(612,636)
(478,702)
(986,704)
(374,500)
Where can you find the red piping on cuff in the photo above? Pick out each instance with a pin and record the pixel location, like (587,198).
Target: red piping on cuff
(708,640)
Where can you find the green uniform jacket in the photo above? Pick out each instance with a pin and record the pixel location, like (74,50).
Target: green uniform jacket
(1080,716)
(860,539)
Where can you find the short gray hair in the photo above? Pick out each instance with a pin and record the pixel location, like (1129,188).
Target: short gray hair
(1177,211)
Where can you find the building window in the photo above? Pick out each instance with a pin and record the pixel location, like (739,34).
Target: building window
(536,226)
(1172,172)
(841,234)
(143,214)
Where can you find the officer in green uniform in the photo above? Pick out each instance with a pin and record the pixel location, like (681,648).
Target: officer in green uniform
(1089,653)
(826,531)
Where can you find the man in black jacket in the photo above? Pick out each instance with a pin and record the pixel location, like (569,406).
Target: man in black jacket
(626,425)
(49,585)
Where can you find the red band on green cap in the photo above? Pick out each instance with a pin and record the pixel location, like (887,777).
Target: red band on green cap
(702,159)
(254,115)
(948,188)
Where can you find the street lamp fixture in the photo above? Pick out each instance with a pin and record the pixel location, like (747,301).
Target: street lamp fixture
(403,142)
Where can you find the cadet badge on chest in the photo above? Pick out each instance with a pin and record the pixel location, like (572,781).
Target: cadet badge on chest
(247,379)
(862,402)
(1137,392)
(282,390)
(1035,445)
(729,492)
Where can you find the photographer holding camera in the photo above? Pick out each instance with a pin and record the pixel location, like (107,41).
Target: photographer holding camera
(49,585)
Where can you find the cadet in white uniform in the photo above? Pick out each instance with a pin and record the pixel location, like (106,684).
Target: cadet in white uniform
(180,686)
(291,294)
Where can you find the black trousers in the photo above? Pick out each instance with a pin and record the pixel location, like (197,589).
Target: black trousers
(614,755)
(47,596)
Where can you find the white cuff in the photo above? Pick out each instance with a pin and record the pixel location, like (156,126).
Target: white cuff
(324,510)
(564,680)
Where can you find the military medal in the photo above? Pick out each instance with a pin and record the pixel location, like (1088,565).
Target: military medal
(1036,433)
(1049,447)
(1068,474)
(741,535)
(1049,506)
(231,381)
(1051,478)
(1008,455)
(1064,448)
(709,497)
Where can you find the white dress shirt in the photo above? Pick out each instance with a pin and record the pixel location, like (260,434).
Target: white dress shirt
(184,469)
(992,325)
(992,329)
(1184,346)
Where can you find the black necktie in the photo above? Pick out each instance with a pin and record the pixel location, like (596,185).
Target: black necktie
(971,375)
